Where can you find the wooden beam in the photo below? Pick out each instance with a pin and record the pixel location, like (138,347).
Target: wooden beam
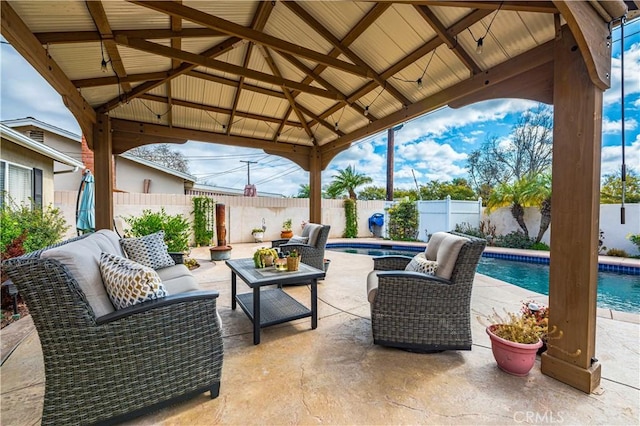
(449,40)
(516,66)
(535,85)
(517,6)
(111,80)
(234,83)
(104,179)
(327,35)
(216,50)
(573,279)
(99,17)
(591,35)
(158,49)
(123,142)
(212,108)
(257,37)
(259,21)
(315,186)
(157,130)
(52,38)
(16,32)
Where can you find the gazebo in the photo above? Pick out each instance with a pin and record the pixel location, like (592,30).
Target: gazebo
(304,80)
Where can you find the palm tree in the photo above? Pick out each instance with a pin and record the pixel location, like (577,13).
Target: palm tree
(348,180)
(304,191)
(538,192)
(511,195)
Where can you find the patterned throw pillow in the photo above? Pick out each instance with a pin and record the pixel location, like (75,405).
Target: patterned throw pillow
(149,250)
(419,263)
(129,283)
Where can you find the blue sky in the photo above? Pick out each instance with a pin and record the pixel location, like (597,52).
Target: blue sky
(434,146)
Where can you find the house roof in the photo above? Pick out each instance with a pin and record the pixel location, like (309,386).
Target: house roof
(291,78)
(160,167)
(22,140)
(223,190)
(30,121)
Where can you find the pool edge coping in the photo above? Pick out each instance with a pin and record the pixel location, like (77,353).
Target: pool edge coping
(605,313)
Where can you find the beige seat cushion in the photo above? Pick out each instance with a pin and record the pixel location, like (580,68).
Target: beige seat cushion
(82,257)
(372,286)
(448,255)
(431,251)
(178,279)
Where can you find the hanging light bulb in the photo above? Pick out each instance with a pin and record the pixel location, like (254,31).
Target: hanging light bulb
(103,65)
(419,83)
(366,110)
(224,127)
(159,117)
(479,47)
(336,127)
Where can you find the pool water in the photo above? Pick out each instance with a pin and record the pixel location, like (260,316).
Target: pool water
(616,291)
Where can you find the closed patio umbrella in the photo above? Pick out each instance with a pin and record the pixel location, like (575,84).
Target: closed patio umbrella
(85,205)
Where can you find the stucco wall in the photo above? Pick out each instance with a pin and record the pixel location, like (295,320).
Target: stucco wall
(243,213)
(130,177)
(615,234)
(17,154)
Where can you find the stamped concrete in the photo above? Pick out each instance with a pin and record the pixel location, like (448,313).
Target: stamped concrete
(335,375)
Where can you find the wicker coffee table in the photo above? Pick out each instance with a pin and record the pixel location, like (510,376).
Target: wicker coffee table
(272,306)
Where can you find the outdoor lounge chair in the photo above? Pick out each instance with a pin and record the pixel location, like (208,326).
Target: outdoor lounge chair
(108,367)
(312,251)
(422,312)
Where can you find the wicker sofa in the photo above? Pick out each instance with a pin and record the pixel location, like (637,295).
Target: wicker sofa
(422,312)
(312,251)
(107,365)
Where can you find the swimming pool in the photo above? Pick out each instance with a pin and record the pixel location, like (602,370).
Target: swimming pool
(620,292)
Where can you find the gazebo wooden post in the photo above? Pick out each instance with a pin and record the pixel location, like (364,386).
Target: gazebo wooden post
(103,163)
(577,137)
(315,186)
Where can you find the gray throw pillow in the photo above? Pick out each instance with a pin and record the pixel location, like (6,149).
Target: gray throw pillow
(298,240)
(150,250)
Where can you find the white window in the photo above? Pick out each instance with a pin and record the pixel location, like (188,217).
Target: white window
(16,183)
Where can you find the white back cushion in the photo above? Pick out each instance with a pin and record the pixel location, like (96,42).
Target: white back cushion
(448,255)
(434,243)
(83,259)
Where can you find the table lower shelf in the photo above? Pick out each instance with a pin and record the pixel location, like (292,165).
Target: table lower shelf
(276,307)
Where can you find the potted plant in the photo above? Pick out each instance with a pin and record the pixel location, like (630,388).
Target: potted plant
(293,260)
(286,229)
(258,234)
(515,340)
(264,257)
(175,227)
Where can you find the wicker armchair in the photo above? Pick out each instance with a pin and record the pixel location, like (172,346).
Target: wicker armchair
(312,254)
(423,312)
(122,364)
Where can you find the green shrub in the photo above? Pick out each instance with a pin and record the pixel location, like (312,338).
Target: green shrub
(41,227)
(515,239)
(403,221)
(617,253)
(540,246)
(635,239)
(175,227)
(351,216)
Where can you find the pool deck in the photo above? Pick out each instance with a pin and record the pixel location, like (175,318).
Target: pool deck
(336,375)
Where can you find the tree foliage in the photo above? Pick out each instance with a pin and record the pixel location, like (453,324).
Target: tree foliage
(527,153)
(611,188)
(457,189)
(346,181)
(162,154)
(304,191)
(512,195)
(373,193)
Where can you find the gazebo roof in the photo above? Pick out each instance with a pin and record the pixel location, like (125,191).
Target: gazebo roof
(285,76)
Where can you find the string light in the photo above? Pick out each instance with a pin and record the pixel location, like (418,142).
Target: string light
(366,110)
(480,41)
(336,127)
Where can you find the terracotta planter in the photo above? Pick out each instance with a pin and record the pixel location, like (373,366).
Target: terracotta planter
(286,234)
(513,358)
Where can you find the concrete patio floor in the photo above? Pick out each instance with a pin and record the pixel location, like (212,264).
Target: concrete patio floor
(335,375)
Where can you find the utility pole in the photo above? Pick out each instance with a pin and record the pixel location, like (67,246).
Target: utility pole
(249,190)
(249,163)
(390,160)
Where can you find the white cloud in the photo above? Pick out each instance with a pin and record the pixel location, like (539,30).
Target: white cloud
(613,127)
(612,157)
(631,75)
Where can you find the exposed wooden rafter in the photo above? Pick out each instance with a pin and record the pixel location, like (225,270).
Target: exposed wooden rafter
(150,34)
(518,6)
